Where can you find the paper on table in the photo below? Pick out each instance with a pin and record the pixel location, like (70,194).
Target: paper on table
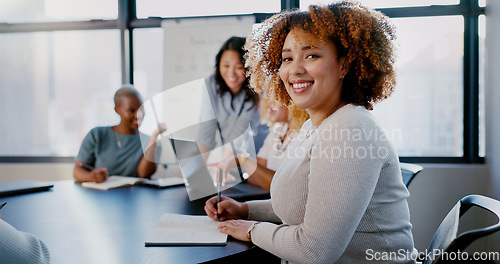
(178,229)
(114,181)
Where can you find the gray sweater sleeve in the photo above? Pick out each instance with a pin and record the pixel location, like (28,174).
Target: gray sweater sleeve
(339,191)
(262,210)
(20,247)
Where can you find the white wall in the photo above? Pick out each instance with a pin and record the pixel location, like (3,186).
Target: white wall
(36,171)
(436,190)
(493,93)
(438,187)
(493,97)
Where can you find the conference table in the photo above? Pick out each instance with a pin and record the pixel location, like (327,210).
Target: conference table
(81,225)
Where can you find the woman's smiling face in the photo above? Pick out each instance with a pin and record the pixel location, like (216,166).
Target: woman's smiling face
(311,72)
(232,70)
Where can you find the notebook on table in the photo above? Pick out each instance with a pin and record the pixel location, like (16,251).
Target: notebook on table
(22,187)
(186,230)
(198,177)
(161,183)
(116,181)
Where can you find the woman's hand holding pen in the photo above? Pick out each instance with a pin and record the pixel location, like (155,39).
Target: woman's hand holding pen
(227,165)
(99,175)
(230,211)
(227,209)
(150,152)
(160,129)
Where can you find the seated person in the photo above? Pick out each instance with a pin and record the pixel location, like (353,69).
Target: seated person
(285,126)
(21,247)
(228,99)
(117,150)
(334,203)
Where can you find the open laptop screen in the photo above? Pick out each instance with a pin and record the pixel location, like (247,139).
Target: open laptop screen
(198,180)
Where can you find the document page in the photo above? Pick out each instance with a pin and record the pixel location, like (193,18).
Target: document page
(177,229)
(112,182)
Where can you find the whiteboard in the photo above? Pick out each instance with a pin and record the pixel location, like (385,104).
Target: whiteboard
(191,45)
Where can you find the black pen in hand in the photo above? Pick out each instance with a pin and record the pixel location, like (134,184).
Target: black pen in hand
(1,206)
(86,166)
(219,190)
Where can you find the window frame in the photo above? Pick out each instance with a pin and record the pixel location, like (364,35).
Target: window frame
(471,11)
(127,21)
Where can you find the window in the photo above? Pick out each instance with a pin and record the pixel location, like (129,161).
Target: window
(386,3)
(60,76)
(429,93)
(148,60)
(482,88)
(154,8)
(58,85)
(24,11)
(440,91)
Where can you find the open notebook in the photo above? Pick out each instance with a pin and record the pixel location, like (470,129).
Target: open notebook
(122,181)
(186,230)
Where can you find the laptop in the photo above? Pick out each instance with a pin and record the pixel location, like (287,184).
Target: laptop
(198,179)
(161,183)
(22,187)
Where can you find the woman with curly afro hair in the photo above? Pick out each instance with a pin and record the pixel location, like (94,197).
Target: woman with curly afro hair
(339,195)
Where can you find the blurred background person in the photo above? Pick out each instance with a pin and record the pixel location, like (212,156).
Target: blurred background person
(284,126)
(117,150)
(229,97)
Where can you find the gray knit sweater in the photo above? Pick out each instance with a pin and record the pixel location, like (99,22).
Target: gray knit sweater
(339,195)
(20,247)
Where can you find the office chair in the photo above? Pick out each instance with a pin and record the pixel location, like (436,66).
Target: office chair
(409,171)
(445,239)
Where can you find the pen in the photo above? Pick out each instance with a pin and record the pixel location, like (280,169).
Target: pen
(88,167)
(1,206)
(219,189)
(156,116)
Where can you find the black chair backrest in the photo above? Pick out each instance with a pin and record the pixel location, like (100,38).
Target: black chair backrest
(446,240)
(409,171)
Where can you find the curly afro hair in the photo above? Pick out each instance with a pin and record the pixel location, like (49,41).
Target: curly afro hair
(365,37)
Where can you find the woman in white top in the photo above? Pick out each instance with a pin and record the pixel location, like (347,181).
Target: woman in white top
(340,197)
(285,124)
